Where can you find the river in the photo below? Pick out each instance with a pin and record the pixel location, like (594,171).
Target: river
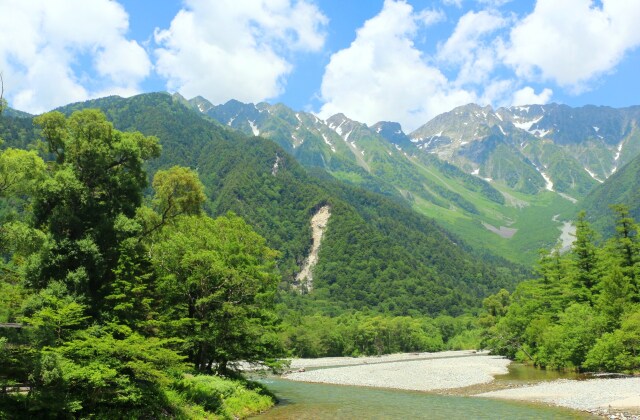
(299,400)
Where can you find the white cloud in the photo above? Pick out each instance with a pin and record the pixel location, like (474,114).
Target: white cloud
(383,76)
(471,48)
(573,41)
(498,92)
(429,17)
(44,43)
(527,96)
(236,49)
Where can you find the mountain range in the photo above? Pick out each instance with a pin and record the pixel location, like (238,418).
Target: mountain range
(376,253)
(494,184)
(508,179)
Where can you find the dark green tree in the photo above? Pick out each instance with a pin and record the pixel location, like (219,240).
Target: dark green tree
(97,177)
(217,281)
(585,260)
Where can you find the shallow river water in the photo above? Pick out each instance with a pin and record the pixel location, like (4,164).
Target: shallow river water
(300,400)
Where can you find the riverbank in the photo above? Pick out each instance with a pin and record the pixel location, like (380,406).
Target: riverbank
(594,395)
(471,374)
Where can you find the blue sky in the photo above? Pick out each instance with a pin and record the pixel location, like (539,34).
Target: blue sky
(373,60)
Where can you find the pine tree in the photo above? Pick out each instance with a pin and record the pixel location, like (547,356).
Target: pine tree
(584,260)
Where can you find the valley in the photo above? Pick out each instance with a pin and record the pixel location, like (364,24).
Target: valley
(316,209)
(495,178)
(349,240)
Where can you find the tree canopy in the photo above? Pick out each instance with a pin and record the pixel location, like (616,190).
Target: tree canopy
(105,287)
(583,312)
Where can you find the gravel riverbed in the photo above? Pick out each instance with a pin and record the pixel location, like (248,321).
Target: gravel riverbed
(426,372)
(588,395)
(455,370)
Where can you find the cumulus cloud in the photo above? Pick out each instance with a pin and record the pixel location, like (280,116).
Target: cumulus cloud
(471,47)
(571,42)
(382,75)
(527,96)
(42,43)
(237,49)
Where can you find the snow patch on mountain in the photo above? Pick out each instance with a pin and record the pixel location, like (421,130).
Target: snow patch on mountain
(539,133)
(526,125)
(568,197)
(593,175)
(617,156)
(296,142)
(326,140)
(615,159)
(549,184)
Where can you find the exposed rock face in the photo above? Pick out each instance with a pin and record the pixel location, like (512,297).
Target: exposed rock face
(304,279)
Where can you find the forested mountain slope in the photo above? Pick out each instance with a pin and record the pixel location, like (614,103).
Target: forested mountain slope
(504,179)
(382,158)
(376,253)
(623,187)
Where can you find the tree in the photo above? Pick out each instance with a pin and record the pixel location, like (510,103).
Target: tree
(626,241)
(178,191)
(585,259)
(97,177)
(217,280)
(20,172)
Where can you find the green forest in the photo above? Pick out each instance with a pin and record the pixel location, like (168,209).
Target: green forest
(115,302)
(583,310)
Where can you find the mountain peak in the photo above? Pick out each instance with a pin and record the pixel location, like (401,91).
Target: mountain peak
(392,131)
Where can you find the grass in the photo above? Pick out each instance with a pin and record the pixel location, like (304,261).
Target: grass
(536,229)
(213,397)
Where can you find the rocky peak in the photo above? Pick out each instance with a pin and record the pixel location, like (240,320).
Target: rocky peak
(391,131)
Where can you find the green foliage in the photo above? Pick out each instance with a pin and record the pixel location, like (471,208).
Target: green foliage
(97,176)
(20,171)
(618,350)
(229,399)
(105,370)
(217,278)
(582,311)
(80,272)
(360,334)
(178,191)
(622,187)
(376,254)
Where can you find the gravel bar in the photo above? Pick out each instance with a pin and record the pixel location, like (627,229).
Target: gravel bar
(433,371)
(587,395)
(398,357)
